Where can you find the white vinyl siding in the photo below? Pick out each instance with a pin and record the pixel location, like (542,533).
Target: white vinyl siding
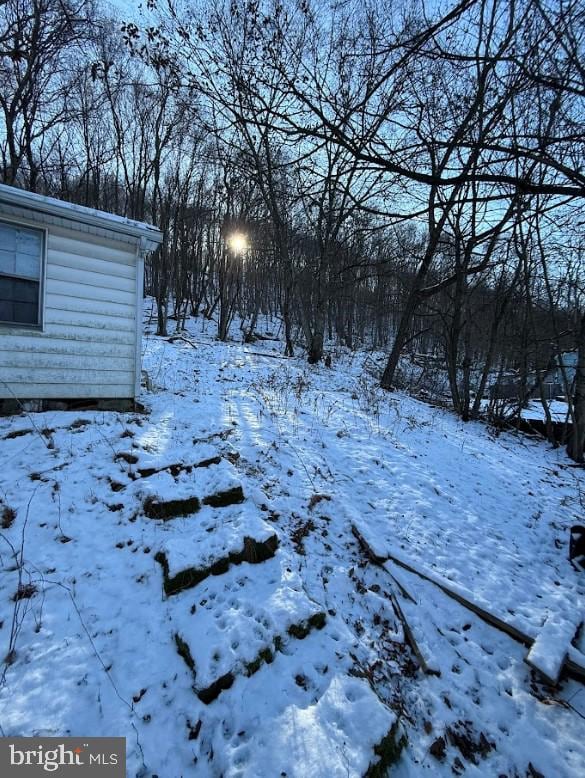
(87,346)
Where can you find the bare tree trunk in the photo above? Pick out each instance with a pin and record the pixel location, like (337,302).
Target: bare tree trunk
(161,314)
(577,440)
(401,337)
(289,350)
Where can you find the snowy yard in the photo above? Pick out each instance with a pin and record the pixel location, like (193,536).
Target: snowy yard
(188,578)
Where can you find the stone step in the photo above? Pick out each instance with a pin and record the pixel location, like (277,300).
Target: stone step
(145,462)
(212,543)
(167,494)
(239,624)
(301,715)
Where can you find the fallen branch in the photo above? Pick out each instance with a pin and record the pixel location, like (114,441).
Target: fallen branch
(174,338)
(260,354)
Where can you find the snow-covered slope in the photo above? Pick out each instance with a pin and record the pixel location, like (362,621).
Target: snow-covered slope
(190,579)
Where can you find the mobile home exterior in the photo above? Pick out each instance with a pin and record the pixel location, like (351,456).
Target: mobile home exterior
(71,289)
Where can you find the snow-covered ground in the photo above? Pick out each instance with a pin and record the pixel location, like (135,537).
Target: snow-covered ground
(559,411)
(189,578)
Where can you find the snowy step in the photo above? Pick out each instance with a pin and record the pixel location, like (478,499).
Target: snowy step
(302,715)
(147,462)
(549,650)
(165,496)
(326,739)
(236,628)
(212,543)
(174,468)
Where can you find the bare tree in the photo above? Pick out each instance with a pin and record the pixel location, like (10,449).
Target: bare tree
(37,42)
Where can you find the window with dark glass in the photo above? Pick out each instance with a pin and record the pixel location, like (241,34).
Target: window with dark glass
(21,261)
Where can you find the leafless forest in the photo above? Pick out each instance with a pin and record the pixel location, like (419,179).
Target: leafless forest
(404,176)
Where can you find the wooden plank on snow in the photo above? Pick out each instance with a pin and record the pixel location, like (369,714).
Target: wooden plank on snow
(549,651)
(413,622)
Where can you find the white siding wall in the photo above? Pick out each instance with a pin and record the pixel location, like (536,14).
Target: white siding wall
(87,347)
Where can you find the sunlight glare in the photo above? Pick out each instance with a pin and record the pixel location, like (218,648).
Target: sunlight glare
(238,242)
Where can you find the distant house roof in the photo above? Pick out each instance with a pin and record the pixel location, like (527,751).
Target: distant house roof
(567,359)
(49,210)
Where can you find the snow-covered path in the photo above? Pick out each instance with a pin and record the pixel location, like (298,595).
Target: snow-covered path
(315,451)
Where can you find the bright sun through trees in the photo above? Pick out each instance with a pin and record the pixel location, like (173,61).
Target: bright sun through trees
(238,242)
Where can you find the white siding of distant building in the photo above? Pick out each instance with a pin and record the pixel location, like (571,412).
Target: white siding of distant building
(89,342)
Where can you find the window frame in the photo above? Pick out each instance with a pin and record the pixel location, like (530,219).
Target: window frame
(40,325)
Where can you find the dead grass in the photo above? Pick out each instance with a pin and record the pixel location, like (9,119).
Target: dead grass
(24,592)
(316,499)
(8,517)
